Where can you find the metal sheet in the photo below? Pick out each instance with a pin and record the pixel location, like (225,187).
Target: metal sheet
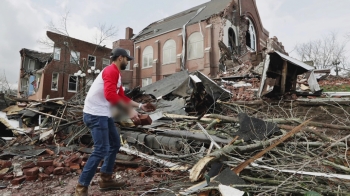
(175,106)
(213,88)
(166,85)
(295,62)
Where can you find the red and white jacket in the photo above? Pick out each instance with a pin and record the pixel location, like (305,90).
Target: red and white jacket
(105,91)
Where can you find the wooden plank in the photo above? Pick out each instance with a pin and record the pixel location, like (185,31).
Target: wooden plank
(284,77)
(46,114)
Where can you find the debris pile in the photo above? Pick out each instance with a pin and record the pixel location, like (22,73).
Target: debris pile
(206,136)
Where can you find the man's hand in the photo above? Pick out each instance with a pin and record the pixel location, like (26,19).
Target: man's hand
(148,107)
(134,116)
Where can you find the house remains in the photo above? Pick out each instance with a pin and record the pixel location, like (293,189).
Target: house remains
(53,74)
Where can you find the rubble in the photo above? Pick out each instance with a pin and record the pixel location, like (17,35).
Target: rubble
(203,130)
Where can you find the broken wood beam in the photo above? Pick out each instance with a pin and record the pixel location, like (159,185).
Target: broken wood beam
(46,114)
(284,77)
(59,122)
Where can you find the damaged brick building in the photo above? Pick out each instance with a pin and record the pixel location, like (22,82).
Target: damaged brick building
(55,74)
(196,39)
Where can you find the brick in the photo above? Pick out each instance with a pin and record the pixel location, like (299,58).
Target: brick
(29,164)
(50,152)
(26,170)
(8,177)
(31,178)
(45,163)
(49,170)
(58,170)
(32,172)
(74,167)
(72,158)
(78,161)
(18,181)
(5,164)
(43,176)
(145,119)
(57,164)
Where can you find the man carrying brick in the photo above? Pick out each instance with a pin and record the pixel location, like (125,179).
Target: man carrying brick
(105,92)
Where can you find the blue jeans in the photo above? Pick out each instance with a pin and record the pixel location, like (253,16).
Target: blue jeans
(106,146)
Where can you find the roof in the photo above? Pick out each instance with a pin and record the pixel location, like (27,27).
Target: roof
(295,62)
(40,56)
(52,35)
(177,21)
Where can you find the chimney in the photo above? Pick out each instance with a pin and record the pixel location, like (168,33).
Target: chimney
(128,33)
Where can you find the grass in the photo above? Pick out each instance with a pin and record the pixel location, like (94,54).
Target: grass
(336,88)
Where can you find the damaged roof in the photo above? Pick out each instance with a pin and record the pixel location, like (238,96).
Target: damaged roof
(40,56)
(177,21)
(295,62)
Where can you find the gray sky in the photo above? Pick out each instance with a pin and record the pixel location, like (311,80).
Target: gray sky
(24,22)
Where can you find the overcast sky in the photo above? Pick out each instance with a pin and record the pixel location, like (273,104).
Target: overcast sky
(24,22)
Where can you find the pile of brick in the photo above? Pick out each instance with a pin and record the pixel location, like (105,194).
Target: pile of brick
(245,90)
(43,167)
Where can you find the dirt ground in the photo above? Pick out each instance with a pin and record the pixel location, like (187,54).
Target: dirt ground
(64,185)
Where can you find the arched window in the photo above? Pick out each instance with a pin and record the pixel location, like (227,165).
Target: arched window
(169,52)
(195,46)
(231,39)
(147,57)
(251,36)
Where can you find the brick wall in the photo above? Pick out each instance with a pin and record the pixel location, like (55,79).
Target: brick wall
(65,68)
(249,7)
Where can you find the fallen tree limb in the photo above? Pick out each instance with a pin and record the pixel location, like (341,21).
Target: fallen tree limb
(325,125)
(212,124)
(228,119)
(241,166)
(198,169)
(224,119)
(191,136)
(321,136)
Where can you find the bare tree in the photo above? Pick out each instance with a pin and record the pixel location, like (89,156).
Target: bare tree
(104,33)
(4,85)
(327,52)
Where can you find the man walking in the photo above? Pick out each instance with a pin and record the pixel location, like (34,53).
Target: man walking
(106,91)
